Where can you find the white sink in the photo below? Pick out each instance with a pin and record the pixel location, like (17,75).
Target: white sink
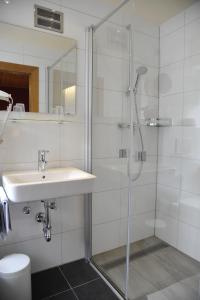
(53,183)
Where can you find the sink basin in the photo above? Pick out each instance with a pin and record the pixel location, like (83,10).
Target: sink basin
(53,183)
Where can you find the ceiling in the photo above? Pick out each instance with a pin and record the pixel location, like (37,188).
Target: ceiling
(154,11)
(158,11)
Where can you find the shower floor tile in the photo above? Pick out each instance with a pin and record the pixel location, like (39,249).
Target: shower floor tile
(138,285)
(73,281)
(157,271)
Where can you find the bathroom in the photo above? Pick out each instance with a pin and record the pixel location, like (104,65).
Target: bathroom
(99,149)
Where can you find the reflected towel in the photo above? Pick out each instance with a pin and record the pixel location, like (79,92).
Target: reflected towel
(5,221)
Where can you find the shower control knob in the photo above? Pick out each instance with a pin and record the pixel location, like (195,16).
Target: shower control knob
(52,205)
(26,210)
(39,217)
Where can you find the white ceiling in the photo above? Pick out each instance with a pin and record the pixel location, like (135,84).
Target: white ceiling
(158,11)
(155,11)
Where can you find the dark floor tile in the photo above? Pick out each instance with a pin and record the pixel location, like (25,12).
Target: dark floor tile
(64,296)
(95,290)
(79,272)
(47,283)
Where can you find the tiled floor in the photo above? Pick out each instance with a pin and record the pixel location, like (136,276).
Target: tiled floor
(157,272)
(73,281)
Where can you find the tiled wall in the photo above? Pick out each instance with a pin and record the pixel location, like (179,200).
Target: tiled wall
(178,203)
(111,107)
(65,142)
(178,186)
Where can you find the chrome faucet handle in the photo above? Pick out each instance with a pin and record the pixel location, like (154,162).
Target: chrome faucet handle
(42,161)
(42,154)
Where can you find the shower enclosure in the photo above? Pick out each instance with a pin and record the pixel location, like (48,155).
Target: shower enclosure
(142,220)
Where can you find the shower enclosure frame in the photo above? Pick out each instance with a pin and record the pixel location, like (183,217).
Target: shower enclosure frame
(88,145)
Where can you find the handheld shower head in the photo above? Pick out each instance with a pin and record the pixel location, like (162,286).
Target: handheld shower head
(139,71)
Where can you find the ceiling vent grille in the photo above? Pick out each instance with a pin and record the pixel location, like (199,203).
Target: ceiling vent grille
(48,19)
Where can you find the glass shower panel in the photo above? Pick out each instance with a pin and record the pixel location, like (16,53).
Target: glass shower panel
(110,150)
(163,111)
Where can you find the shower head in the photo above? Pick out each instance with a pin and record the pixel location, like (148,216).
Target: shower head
(139,71)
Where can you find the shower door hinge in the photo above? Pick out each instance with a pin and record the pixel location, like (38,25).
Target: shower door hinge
(141,156)
(122,153)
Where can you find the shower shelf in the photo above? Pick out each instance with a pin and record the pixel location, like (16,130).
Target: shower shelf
(158,122)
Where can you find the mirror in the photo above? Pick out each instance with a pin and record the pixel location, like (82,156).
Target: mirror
(39,70)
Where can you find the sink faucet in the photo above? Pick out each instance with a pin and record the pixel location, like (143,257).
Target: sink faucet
(42,161)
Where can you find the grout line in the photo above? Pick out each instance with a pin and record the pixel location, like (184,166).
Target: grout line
(88,282)
(62,273)
(53,295)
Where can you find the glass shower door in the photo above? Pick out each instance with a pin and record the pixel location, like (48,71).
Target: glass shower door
(110,150)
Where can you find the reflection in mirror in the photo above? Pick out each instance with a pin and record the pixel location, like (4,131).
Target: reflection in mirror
(62,84)
(38,69)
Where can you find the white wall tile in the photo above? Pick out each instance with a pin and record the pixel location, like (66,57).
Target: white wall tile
(167,229)
(148,106)
(72,212)
(141,227)
(188,240)
(144,198)
(141,25)
(106,206)
(172,47)
(105,236)
(172,24)
(72,245)
(191,107)
(113,40)
(168,201)
(171,79)
(192,73)
(190,175)
(23,140)
(148,175)
(170,141)
(110,73)
(43,255)
(191,142)
(150,57)
(192,12)
(178,200)
(169,171)
(171,107)
(107,106)
(108,172)
(192,43)
(111,143)
(190,209)
(72,141)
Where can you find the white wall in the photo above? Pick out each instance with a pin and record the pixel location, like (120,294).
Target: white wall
(178,207)
(66,144)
